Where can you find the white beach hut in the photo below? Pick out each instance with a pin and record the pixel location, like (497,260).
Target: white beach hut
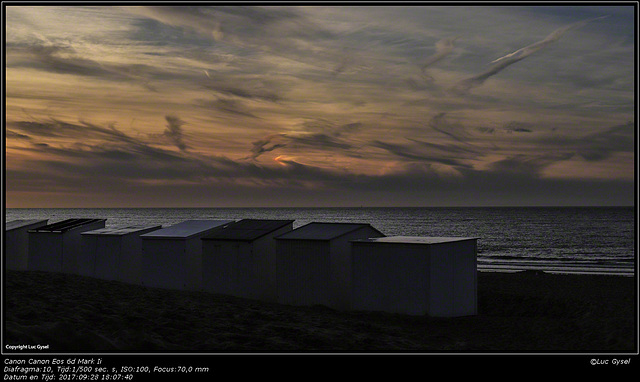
(172,256)
(114,253)
(57,247)
(16,242)
(434,276)
(240,259)
(314,263)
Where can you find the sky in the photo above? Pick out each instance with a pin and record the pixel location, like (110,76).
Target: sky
(268,105)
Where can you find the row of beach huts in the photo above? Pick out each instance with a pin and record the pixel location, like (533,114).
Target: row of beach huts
(345,266)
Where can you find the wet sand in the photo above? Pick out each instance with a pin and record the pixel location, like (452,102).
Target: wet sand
(518,312)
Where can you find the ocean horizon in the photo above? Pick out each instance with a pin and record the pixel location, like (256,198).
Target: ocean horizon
(554,239)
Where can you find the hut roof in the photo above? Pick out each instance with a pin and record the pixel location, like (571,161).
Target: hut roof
(15,224)
(324,231)
(121,231)
(186,229)
(413,239)
(66,225)
(247,230)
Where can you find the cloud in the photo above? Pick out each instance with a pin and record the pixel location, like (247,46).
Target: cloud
(121,158)
(261,146)
(450,148)
(318,140)
(264,29)
(228,106)
(320,134)
(246,87)
(602,145)
(314,140)
(407,152)
(596,146)
(456,132)
(256,82)
(505,61)
(518,127)
(91,139)
(54,128)
(444,47)
(124,162)
(65,60)
(174,131)
(458,153)
(13,135)
(527,165)
(204,20)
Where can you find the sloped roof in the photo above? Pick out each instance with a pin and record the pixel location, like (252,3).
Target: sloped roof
(66,225)
(186,229)
(247,230)
(413,239)
(15,224)
(121,231)
(324,231)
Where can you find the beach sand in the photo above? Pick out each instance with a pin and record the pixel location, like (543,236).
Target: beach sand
(518,312)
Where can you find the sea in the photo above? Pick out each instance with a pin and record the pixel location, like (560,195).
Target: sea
(582,240)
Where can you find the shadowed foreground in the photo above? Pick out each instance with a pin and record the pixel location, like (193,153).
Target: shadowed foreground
(518,312)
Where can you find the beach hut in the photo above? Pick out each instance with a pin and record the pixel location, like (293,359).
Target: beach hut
(435,276)
(56,247)
(114,253)
(240,259)
(172,256)
(16,242)
(314,263)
